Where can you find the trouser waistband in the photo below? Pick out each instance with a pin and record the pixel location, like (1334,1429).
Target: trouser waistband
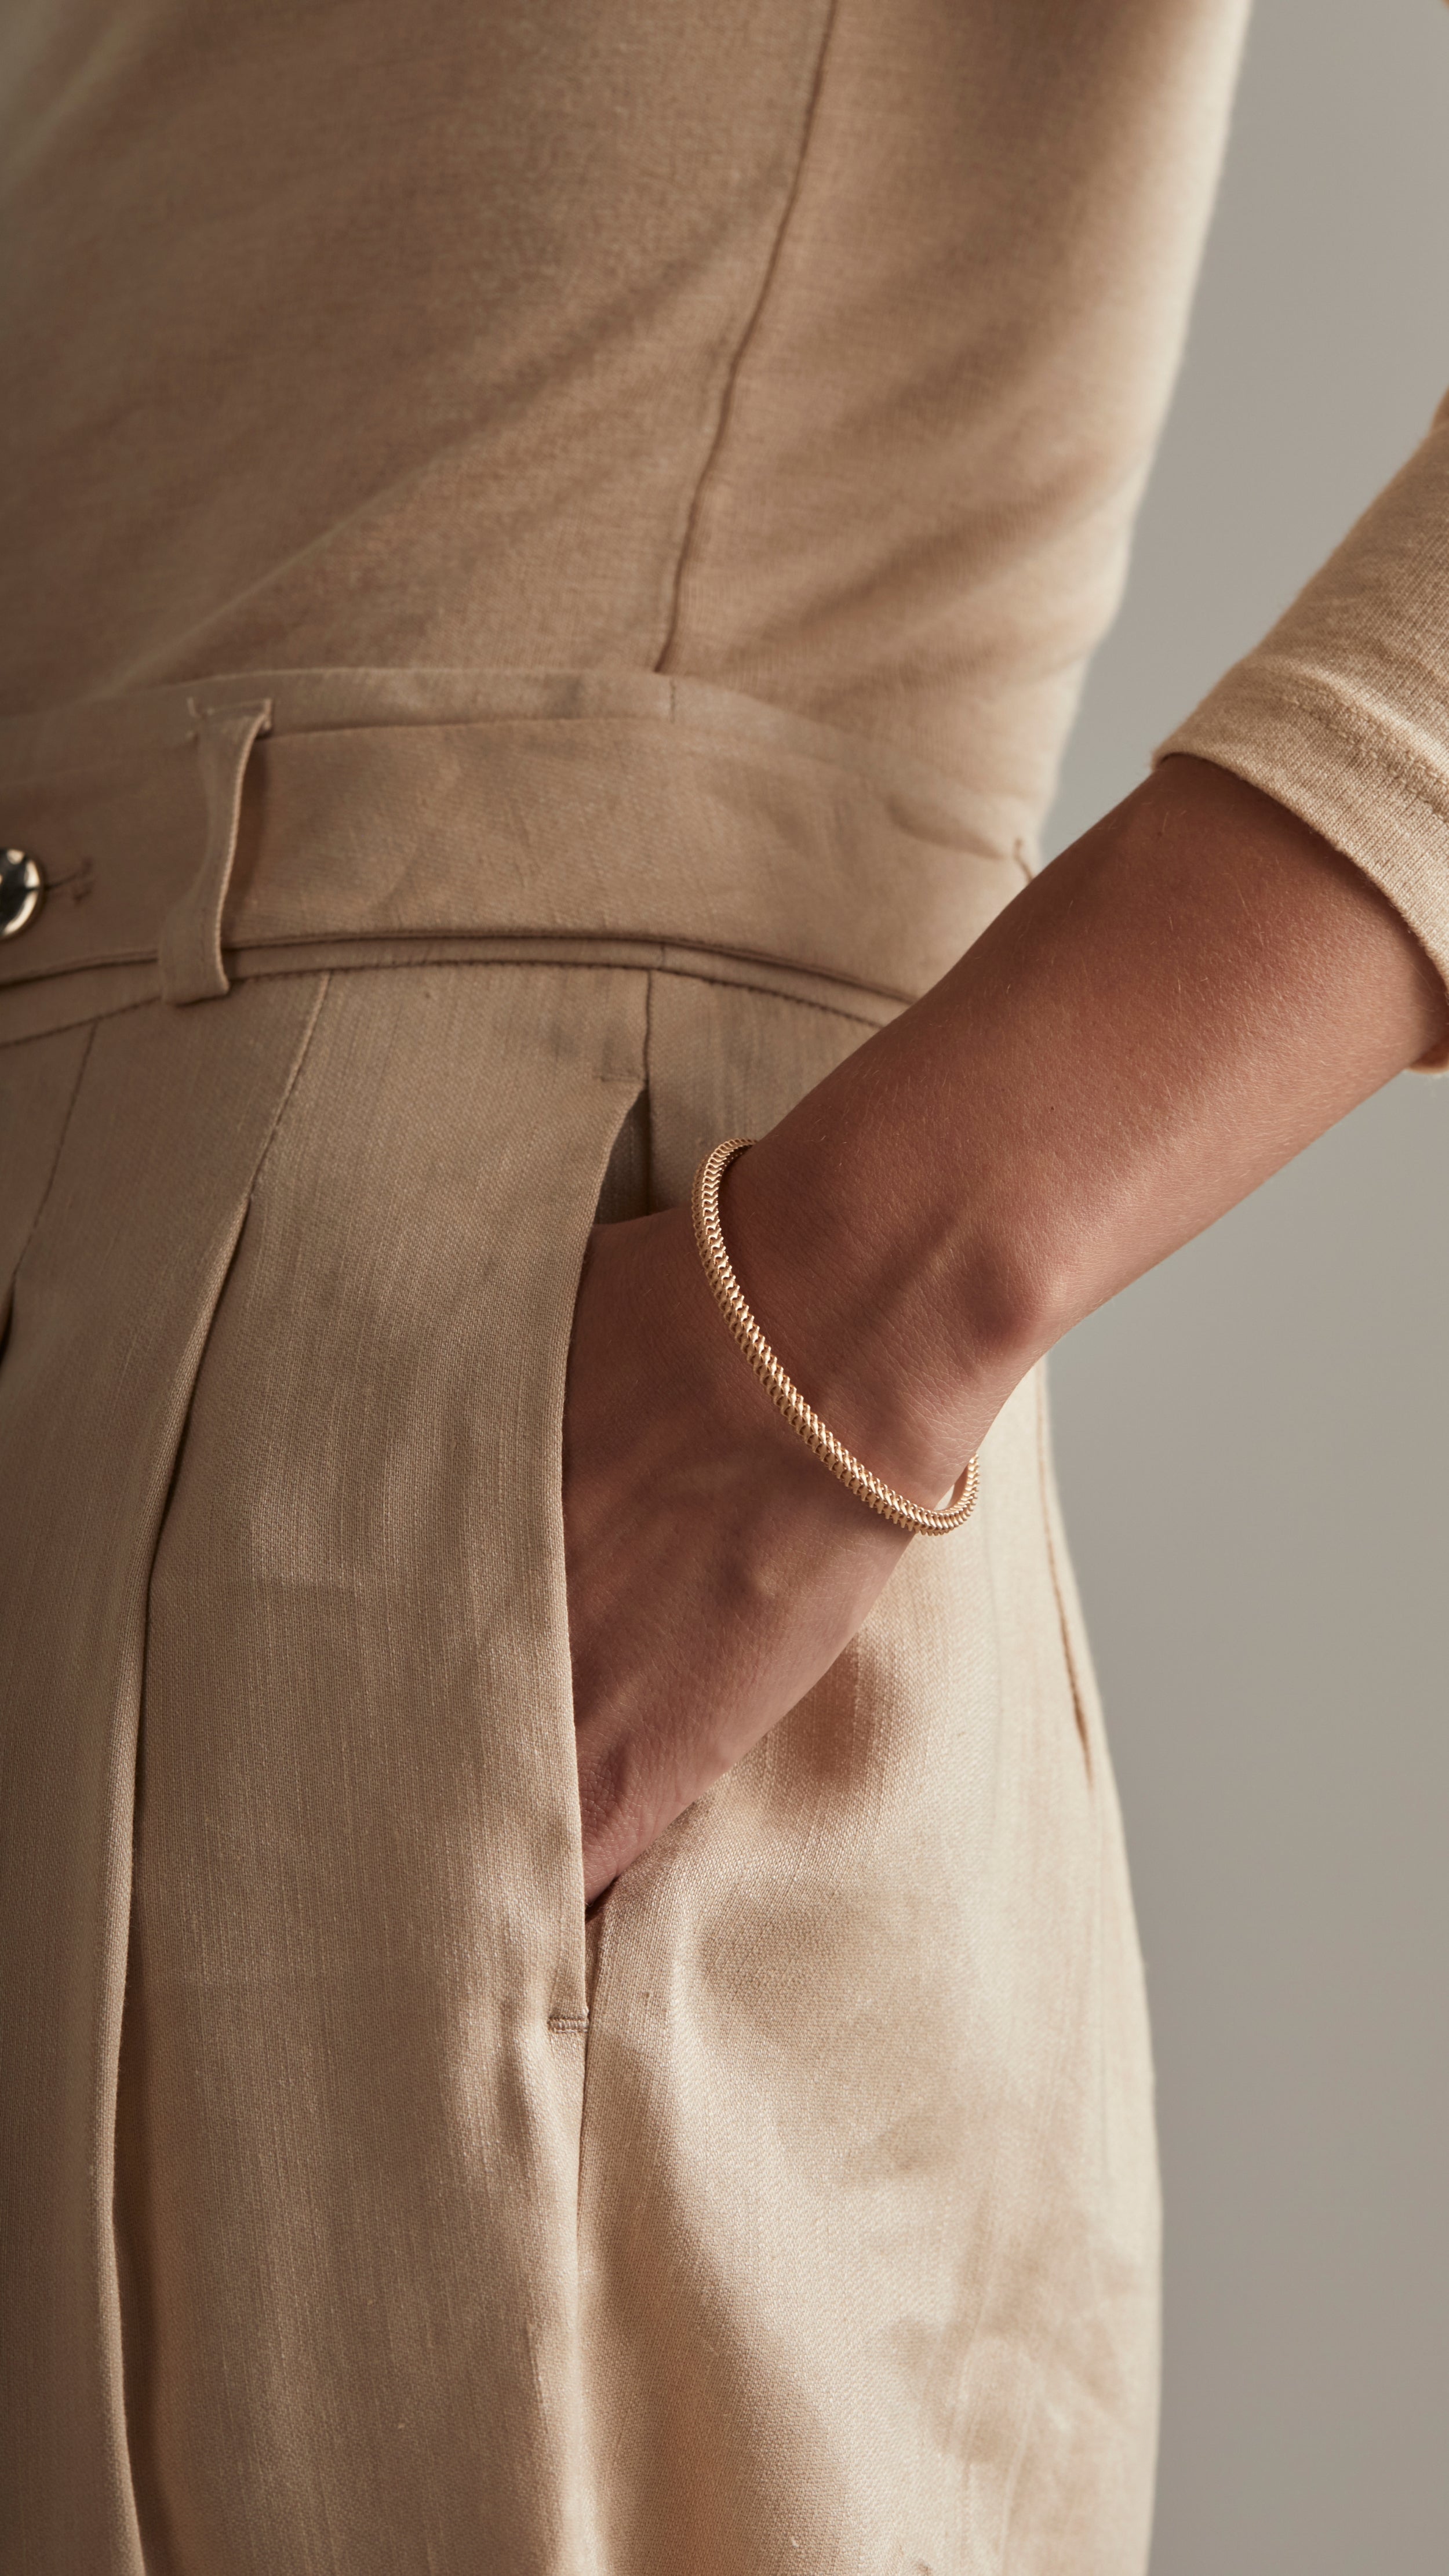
(193,832)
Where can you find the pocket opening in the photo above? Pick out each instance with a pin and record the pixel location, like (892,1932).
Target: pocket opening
(625,1189)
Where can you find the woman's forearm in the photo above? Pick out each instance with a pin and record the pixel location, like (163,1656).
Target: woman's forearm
(1170,1012)
(1190,995)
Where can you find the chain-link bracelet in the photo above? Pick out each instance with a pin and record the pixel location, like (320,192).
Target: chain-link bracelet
(802,1417)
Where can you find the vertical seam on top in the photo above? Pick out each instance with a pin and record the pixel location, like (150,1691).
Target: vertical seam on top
(747,336)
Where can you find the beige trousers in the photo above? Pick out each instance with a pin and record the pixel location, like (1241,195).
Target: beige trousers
(362,2212)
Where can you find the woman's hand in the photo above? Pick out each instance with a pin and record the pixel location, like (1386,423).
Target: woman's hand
(715,1568)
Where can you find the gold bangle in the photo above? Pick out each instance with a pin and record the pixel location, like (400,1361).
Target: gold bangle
(802,1417)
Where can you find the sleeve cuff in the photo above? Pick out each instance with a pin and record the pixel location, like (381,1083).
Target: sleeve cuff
(1349,768)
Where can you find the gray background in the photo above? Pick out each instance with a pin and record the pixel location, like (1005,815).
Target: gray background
(1253,1442)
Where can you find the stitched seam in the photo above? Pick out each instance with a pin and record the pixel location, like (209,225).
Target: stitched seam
(652,963)
(122,1865)
(579,966)
(655,956)
(691,975)
(482,966)
(304,1050)
(686,974)
(746,342)
(32,1037)
(32,1229)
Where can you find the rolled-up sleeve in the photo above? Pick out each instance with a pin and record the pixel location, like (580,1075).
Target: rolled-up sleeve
(1342,712)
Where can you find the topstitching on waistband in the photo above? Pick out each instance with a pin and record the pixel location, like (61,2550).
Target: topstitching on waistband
(54,1002)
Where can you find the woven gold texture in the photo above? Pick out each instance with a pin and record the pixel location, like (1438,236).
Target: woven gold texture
(802,1417)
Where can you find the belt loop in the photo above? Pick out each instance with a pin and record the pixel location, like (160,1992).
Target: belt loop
(189,953)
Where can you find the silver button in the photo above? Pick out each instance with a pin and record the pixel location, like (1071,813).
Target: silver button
(21,887)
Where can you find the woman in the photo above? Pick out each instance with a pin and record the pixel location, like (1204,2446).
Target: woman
(551,556)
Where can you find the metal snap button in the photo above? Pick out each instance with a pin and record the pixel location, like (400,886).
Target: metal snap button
(21,887)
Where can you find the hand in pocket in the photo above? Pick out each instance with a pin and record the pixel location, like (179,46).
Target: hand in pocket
(715,1570)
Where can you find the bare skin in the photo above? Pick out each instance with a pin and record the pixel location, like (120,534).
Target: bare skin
(1183,1001)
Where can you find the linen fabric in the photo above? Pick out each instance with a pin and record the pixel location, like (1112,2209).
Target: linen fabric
(550,555)
(806,2208)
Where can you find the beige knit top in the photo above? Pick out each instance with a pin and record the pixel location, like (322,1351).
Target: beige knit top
(814,348)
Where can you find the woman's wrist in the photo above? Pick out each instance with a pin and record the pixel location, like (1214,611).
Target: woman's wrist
(863,1286)
(1183,1000)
